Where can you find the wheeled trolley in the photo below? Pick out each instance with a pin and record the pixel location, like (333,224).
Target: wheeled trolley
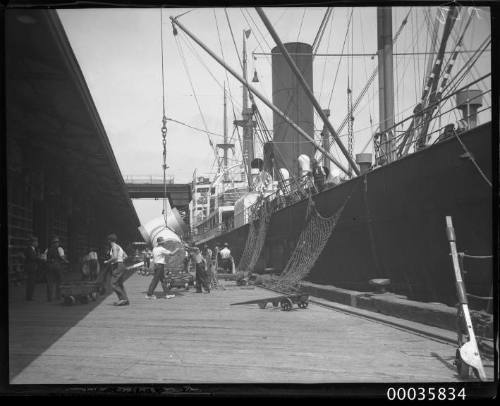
(179,280)
(286,302)
(79,292)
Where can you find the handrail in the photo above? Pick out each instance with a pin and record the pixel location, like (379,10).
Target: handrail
(149,179)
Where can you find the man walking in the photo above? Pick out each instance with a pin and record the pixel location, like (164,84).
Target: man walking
(160,255)
(211,271)
(117,256)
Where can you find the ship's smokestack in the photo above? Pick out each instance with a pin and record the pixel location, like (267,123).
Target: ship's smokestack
(364,161)
(290,98)
(469,101)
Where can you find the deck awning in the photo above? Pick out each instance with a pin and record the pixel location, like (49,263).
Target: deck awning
(50,108)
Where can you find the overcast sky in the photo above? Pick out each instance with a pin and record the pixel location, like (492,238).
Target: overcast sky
(120,55)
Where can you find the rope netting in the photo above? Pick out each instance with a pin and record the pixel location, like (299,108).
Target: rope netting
(256,238)
(311,243)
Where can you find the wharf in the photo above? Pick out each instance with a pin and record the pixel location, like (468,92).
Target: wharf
(201,338)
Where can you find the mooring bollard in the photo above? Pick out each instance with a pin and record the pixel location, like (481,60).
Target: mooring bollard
(380,284)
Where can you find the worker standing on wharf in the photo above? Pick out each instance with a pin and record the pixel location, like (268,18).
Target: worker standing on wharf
(93,263)
(202,280)
(147,259)
(227,259)
(32,261)
(211,271)
(160,254)
(216,257)
(117,256)
(104,275)
(55,260)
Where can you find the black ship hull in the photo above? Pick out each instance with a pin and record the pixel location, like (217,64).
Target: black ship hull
(393,225)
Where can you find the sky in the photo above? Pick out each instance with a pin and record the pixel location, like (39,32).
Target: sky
(120,54)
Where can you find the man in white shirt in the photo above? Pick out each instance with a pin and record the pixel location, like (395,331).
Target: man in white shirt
(227,259)
(117,256)
(160,254)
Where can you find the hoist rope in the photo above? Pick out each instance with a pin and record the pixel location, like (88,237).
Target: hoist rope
(164,123)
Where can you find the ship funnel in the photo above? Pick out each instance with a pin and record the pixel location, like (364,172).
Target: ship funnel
(469,101)
(291,98)
(364,161)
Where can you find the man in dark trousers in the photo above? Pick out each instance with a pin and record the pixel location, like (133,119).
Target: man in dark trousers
(55,262)
(31,265)
(202,280)
(226,258)
(118,270)
(160,254)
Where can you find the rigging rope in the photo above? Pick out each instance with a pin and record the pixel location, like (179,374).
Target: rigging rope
(471,157)
(193,128)
(230,94)
(321,30)
(370,80)
(340,60)
(324,62)
(183,59)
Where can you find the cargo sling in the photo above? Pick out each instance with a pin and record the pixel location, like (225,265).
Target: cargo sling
(256,238)
(311,243)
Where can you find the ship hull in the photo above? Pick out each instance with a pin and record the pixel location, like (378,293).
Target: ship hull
(393,225)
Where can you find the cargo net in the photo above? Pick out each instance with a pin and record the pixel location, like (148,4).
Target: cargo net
(311,242)
(256,238)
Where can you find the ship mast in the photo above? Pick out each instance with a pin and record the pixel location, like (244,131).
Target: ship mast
(225,146)
(225,135)
(246,113)
(385,81)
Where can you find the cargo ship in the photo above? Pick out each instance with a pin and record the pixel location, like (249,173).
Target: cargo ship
(383,214)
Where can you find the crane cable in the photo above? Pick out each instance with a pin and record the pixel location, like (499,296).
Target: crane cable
(164,124)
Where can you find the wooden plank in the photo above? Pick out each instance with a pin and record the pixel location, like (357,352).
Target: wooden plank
(202,338)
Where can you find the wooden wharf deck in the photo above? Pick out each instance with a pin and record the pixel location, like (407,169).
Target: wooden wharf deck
(200,338)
